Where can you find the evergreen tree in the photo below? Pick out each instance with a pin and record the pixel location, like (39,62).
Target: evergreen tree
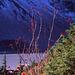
(62,60)
(20,67)
(33,63)
(4,65)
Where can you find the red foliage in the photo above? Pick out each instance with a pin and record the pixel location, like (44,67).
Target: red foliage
(23,74)
(25,59)
(45,5)
(53,13)
(31,20)
(56,42)
(74,37)
(18,67)
(46,51)
(8,66)
(49,46)
(55,55)
(68,19)
(39,11)
(8,72)
(19,37)
(22,55)
(34,19)
(65,32)
(32,27)
(25,51)
(31,8)
(31,49)
(29,30)
(62,34)
(11,44)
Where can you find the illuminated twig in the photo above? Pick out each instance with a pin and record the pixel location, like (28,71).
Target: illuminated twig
(36,41)
(51,29)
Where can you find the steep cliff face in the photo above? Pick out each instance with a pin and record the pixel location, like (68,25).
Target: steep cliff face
(15,16)
(64,5)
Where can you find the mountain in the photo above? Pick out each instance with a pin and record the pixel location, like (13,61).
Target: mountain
(15,16)
(13,46)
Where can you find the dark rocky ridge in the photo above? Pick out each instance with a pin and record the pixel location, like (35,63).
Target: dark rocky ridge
(16,15)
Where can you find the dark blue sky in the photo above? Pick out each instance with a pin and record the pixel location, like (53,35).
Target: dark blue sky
(16,15)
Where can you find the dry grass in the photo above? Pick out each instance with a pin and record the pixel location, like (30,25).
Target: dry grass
(38,68)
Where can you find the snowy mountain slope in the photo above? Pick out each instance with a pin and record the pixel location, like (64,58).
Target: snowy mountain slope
(15,16)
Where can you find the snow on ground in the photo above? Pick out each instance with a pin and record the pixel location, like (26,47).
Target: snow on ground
(13,59)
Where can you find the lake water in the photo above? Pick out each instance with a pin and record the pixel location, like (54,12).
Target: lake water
(13,59)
